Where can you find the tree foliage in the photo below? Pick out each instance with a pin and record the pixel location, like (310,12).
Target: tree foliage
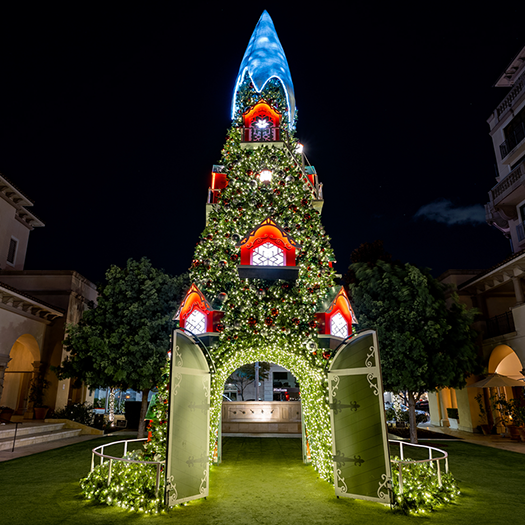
(123,341)
(424,345)
(245,375)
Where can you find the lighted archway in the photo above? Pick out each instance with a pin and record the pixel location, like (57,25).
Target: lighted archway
(504,361)
(24,352)
(313,393)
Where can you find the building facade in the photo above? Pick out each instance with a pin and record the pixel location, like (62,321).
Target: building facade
(497,292)
(35,308)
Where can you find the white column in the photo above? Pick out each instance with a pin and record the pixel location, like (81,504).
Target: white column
(518,290)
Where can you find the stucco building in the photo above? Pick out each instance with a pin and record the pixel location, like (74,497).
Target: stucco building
(35,307)
(498,292)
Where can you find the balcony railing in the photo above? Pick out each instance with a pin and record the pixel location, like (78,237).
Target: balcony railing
(514,92)
(514,138)
(512,178)
(254,134)
(500,325)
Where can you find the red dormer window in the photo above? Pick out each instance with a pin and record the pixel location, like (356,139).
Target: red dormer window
(195,313)
(261,123)
(268,245)
(338,318)
(219,181)
(268,252)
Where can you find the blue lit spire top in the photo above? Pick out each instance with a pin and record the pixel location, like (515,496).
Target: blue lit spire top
(265,59)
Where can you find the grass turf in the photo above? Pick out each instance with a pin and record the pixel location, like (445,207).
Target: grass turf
(260,481)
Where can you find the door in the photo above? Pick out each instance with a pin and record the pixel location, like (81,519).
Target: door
(359,435)
(187,468)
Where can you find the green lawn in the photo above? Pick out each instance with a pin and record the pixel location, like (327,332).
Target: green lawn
(261,481)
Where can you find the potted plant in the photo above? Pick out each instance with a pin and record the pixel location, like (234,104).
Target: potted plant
(6,413)
(515,410)
(37,390)
(453,417)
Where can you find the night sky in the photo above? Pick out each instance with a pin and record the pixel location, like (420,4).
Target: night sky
(112,117)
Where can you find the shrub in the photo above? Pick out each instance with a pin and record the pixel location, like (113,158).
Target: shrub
(132,485)
(79,412)
(421,491)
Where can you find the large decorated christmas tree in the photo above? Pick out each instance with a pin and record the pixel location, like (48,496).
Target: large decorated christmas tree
(263,290)
(263,282)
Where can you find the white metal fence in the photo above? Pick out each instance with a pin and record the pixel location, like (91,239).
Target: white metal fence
(435,456)
(99,451)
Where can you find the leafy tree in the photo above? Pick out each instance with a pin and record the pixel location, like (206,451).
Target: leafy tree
(123,341)
(245,375)
(424,345)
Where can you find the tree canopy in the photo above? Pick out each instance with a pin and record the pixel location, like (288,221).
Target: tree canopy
(245,375)
(423,344)
(123,341)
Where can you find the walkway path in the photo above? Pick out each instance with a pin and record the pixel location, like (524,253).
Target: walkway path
(21,452)
(494,441)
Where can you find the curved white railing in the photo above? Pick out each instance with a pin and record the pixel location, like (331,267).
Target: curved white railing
(431,459)
(99,451)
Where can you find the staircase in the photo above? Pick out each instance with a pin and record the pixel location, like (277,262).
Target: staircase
(32,433)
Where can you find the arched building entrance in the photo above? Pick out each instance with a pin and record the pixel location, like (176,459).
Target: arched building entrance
(24,362)
(504,361)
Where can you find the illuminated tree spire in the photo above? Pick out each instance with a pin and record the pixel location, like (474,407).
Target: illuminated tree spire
(265,59)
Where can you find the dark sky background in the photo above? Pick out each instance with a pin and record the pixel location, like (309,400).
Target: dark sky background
(112,117)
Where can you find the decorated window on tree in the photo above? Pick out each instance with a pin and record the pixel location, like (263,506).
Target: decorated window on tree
(338,326)
(196,314)
(262,129)
(261,123)
(196,322)
(335,315)
(268,245)
(268,255)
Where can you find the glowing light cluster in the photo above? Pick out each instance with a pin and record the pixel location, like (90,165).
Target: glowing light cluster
(265,176)
(262,123)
